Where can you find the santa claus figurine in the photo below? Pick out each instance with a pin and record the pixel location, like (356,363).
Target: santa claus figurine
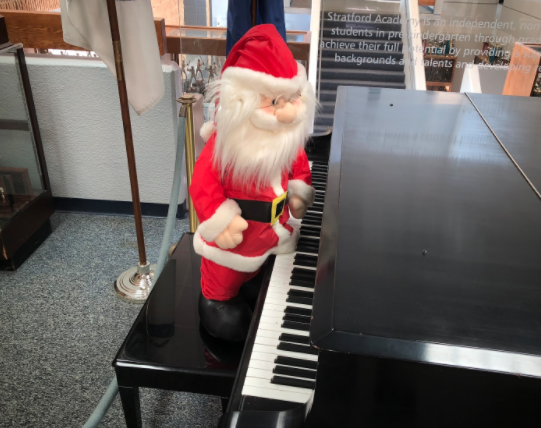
(252,173)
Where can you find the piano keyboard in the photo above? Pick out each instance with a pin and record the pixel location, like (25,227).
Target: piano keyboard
(282,365)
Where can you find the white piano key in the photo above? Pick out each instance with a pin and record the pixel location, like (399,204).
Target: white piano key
(282,301)
(268,333)
(272,394)
(267,315)
(273,307)
(292,264)
(268,375)
(286,287)
(273,351)
(265,384)
(270,320)
(268,365)
(268,341)
(279,328)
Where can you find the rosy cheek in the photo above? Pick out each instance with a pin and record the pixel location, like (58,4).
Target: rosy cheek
(268,109)
(297,102)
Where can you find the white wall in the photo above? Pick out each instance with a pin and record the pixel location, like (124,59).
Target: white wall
(79,115)
(529,7)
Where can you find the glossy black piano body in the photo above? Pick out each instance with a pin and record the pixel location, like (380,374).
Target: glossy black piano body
(428,291)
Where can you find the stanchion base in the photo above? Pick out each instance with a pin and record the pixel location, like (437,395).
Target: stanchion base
(135,284)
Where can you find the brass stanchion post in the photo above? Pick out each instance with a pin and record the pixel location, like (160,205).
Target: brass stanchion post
(187,101)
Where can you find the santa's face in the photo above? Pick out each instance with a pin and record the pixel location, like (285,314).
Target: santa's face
(278,113)
(285,109)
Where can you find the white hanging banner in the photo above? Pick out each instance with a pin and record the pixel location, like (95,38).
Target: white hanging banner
(86,24)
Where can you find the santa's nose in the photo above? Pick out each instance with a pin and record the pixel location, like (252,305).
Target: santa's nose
(286,114)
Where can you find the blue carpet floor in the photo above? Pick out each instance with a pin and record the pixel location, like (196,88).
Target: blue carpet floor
(61,325)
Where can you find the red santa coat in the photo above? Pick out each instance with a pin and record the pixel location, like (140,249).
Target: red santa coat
(213,201)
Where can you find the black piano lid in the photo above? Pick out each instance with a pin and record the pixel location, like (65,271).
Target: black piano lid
(414,172)
(517,123)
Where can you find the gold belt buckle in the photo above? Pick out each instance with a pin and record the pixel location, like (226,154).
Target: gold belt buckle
(277,204)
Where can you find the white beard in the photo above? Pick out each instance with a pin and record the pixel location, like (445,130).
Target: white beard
(251,155)
(258,149)
(252,147)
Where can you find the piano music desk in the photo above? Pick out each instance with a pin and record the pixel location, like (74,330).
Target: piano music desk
(164,348)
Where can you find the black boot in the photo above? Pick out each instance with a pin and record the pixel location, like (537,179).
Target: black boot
(227,319)
(250,289)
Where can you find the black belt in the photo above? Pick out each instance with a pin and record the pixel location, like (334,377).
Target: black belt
(263,212)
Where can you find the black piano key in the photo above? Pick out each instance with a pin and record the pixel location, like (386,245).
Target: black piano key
(303,244)
(316,215)
(303,277)
(298,311)
(295,325)
(291,371)
(300,293)
(301,349)
(307,244)
(309,241)
(303,283)
(308,227)
(319,198)
(295,362)
(299,300)
(319,187)
(304,272)
(305,260)
(296,318)
(308,279)
(317,208)
(310,232)
(294,338)
(305,249)
(280,380)
(313,222)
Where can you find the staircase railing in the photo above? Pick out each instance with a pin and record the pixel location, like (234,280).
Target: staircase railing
(412,45)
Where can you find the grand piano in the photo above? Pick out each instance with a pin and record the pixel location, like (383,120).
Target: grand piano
(414,296)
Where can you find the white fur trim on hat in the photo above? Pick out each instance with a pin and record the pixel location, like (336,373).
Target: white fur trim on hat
(286,244)
(302,190)
(216,224)
(207,130)
(266,84)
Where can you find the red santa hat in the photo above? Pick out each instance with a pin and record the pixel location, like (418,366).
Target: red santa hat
(261,61)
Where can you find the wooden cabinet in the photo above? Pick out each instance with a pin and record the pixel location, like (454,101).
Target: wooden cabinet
(26,202)
(523,75)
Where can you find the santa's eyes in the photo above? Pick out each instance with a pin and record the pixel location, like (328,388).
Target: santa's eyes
(295,97)
(275,101)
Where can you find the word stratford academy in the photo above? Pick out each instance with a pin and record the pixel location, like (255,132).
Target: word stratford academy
(381,19)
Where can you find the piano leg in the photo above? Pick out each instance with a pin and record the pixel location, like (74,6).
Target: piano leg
(225,403)
(131,406)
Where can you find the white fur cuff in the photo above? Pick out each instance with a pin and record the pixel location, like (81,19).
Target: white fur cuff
(211,228)
(207,130)
(302,190)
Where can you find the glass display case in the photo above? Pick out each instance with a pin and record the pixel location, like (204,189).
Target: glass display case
(25,197)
